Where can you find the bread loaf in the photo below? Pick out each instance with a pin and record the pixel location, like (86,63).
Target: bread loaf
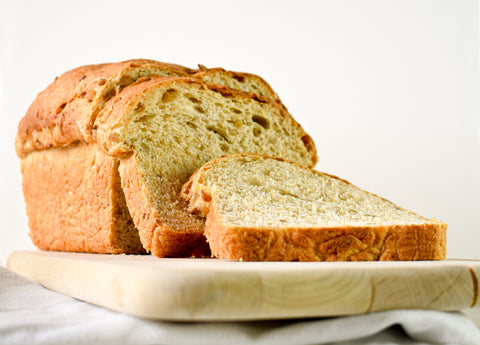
(126,138)
(260,208)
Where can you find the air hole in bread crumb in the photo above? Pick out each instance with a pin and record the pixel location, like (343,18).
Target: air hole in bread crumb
(192,98)
(236,110)
(169,95)
(218,131)
(140,106)
(254,182)
(187,187)
(257,131)
(261,121)
(284,192)
(191,125)
(240,78)
(206,197)
(145,147)
(199,109)
(145,118)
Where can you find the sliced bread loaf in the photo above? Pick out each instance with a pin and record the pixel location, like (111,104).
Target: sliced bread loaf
(260,208)
(164,129)
(65,143)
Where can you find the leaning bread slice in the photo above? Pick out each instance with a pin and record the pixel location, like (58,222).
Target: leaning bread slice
(162,130)
(260,208)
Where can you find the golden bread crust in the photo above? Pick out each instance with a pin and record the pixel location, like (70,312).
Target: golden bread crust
(368,243)
(74,202)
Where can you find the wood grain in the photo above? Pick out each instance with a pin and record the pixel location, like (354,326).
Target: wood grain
(211,289)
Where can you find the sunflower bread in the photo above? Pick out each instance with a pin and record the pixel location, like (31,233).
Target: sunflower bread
(74,137)
(261,208)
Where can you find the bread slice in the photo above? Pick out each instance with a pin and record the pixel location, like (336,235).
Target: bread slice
(58,141)
(164,129)
(261,208)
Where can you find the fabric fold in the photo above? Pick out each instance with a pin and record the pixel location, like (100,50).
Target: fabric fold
(30,313)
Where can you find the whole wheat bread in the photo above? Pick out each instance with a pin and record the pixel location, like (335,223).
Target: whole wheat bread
(165,128)
(104,119)
(261,208)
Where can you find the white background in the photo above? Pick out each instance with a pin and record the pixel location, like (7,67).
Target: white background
(389,90)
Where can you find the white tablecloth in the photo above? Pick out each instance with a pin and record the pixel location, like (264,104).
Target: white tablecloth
(31,314)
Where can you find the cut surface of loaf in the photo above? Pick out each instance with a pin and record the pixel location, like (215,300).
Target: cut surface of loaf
(242,81)
(264,208)
(72,116)
(165,128)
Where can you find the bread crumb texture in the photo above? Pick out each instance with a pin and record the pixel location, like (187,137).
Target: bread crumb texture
(170,127)
(145,126)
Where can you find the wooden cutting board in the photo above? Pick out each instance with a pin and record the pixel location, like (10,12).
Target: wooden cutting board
(211,289)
